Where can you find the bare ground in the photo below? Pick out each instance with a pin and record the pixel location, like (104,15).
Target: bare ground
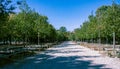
(68,55)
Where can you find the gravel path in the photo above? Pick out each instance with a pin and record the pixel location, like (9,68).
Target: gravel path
(68,55)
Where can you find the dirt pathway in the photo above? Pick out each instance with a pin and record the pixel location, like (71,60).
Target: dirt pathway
(68,55)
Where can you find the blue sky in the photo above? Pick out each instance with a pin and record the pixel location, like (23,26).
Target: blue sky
(68,13)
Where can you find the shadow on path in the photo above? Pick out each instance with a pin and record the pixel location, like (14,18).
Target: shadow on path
(50,62)
(46,61)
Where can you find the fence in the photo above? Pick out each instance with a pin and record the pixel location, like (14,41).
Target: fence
(105,49)
(6,51)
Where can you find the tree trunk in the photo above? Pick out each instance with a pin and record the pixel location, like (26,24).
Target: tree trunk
(114,43)
(10,40)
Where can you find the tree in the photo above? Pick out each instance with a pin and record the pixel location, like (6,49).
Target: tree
(6,8)
(103,24)
(28,26)
(63,29)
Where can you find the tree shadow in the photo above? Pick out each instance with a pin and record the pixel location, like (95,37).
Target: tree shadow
(56,51)
(47,60)
(44,61)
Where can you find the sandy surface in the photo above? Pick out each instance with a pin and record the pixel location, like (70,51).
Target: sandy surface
(68,55)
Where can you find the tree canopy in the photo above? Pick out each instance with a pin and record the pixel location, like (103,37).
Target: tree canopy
(104,22)
(27,25)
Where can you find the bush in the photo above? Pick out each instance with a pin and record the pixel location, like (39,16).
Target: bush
(118,54)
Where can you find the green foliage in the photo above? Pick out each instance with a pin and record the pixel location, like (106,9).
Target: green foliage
(25,26)
(72,36)
(6,8)
(106,21)
(62,34)
(63,29)
(29,24)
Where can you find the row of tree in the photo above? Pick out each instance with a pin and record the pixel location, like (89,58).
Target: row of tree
(101,26)
(27,26)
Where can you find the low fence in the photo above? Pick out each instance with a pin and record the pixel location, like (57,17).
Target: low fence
(6,51)
(105,49)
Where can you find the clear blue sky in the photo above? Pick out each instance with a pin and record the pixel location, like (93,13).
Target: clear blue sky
(68,13)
